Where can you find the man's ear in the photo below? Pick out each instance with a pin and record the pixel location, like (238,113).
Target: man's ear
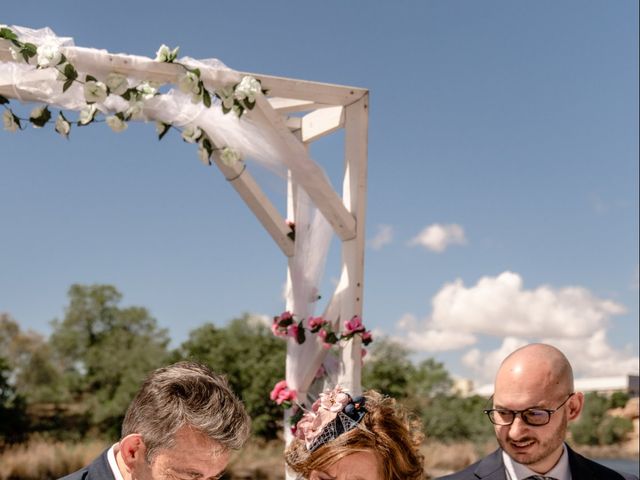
(574,405)
(132,450)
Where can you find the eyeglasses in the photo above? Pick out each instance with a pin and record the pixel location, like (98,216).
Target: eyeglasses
(536,417)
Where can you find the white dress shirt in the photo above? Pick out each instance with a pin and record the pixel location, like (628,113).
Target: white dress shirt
(517,471)
(111,456)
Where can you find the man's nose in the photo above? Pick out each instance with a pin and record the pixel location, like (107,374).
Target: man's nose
(517,427)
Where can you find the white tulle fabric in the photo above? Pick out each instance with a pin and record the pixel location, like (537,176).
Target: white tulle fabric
(251,136)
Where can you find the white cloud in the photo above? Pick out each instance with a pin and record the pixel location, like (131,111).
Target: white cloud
(500,306)
(438,237)
(485,364)
(572,318)
(383,236)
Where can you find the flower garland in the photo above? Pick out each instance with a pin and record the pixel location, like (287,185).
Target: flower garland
(285,326)
(237,98)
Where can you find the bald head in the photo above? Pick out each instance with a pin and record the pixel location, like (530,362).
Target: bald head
(536,367)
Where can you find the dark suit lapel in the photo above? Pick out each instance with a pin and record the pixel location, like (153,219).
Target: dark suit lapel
(100,469)
(491,467)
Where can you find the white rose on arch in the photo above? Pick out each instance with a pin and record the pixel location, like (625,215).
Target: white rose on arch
(87,114)
(9,121)
(95,91)
(229,156)
(49,55)
(63,127)
(116,123)
(117,83)
(189,82)
(191,134)
(247,89)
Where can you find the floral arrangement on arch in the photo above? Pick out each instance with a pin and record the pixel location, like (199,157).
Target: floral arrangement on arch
(236,98)
(286,326)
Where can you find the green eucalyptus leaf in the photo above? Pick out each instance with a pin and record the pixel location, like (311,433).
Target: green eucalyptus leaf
(90,78)
(164,131)
(206,97)
(68,82)
(29,49)
(7,34)
(121,116)
(196,71)
(225,110)
(42,120)
(63,59)
(249,104)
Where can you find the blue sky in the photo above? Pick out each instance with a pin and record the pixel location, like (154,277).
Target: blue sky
(503,176)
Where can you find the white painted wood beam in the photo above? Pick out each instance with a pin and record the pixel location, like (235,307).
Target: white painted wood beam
(244,183)
(307,173)
(322,122)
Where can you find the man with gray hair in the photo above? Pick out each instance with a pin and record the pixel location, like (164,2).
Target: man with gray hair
(533,402)
(182,424)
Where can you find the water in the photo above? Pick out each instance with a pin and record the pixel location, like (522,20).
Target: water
(621,464)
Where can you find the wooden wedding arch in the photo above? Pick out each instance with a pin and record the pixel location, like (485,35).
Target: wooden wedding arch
(277,131)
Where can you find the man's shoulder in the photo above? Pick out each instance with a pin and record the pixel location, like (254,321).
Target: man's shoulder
(490,466)
(98,470)
(583,465)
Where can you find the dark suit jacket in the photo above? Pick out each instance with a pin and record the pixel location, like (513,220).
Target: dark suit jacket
(492,468)
(99,469)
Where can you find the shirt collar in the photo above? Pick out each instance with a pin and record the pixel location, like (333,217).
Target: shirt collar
(517,471)
(111,456)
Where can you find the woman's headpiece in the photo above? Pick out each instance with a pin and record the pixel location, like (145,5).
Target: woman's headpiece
(331,415)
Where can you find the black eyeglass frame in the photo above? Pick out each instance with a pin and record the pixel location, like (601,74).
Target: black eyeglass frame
(515,413)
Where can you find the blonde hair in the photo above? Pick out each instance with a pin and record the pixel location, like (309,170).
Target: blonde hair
(386,430)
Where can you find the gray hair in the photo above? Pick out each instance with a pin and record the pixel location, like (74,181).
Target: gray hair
(186,394)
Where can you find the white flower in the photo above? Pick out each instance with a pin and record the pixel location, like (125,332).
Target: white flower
(135,110)
(247,89)
(86,114)
(226,95)
(165,54)
(9,121)
(62,126)
(229,156)
(160,127)
(117,83)
(204,155)
(37,112)
(116,123)
(189,83)
(49,55)
(146,90)
(95,91)
(191,133)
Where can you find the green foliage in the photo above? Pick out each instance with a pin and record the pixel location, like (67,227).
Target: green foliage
(618,400)
(106,351)
(388,369)
(585,430)
(13,419)
(455,418)
(613,430)
(36,374)
(253,360)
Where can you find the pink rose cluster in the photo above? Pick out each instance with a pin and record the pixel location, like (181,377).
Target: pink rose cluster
(355,326)
(285,326)
(282,395)
(323,411)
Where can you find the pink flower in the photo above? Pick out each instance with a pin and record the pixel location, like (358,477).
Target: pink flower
(353,326)
(292,331)
(315,323)
(323,411)
(334,400)
(287,315)
(281,393)
(367,338)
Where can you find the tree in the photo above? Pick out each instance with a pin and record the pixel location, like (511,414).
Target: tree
(585,429)
(455,418)
(253,361)
(35,372)
(388,369)
(106,350)
(13,419)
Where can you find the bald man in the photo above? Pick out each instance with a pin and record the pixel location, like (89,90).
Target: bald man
(533,403)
